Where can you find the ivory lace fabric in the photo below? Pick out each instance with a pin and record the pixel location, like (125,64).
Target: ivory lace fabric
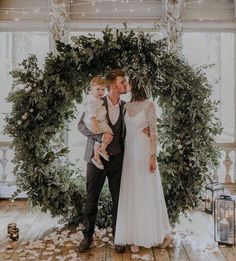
(148,107)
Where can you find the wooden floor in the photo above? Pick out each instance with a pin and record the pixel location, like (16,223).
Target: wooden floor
(41,238)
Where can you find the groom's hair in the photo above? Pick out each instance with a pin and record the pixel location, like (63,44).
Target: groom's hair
(111,76)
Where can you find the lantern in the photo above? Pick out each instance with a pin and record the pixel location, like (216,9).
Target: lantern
(224,219)
(13,231)
(212,191)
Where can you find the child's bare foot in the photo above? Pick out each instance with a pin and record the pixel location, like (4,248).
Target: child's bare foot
(97,163)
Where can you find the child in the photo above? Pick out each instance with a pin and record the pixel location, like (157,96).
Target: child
(95,117)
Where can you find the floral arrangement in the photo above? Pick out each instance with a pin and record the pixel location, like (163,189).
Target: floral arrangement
(44,100)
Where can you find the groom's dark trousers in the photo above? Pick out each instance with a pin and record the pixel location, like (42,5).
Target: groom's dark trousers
(95,182)
(112,170)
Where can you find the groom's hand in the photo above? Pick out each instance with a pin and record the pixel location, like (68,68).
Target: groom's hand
(146,131)
(107,137)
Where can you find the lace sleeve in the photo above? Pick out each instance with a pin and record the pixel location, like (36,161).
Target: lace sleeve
(152,123)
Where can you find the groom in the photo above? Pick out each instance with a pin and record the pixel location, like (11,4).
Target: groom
(116,85)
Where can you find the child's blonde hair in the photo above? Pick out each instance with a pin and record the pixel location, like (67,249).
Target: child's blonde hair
(97,80)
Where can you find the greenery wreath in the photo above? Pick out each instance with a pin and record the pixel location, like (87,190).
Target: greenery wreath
(45,100)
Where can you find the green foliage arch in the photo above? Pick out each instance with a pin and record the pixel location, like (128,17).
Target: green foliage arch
(45,100)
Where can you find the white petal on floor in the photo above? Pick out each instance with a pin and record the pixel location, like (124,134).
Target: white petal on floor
(19,250)
(103,232)
(147,257)
(105,239)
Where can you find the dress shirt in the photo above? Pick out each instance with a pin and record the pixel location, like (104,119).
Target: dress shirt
(113,110)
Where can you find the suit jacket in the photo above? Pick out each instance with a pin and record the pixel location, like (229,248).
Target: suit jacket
(92,138)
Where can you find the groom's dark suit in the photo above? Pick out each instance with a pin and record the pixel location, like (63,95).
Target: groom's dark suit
(112,169)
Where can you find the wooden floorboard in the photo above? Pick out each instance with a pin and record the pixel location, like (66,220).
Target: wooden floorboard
(178,252)
(198,242)
(144,252)
(38,224)
(111,255)
(43,239)
(11,214)
(4,206)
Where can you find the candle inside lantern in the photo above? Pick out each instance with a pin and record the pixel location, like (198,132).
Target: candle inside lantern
(14,234)
(224,230)
(10,226)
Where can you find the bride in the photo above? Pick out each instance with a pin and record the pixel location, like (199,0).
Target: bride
(142,218)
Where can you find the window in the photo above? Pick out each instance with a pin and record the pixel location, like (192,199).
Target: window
(216,49)
(14,47)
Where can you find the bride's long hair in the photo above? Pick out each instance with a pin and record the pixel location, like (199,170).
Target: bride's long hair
(138,93)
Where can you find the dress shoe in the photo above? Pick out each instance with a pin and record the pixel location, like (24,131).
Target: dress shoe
(119,249)
(85,244)
(98,164)
(104,154)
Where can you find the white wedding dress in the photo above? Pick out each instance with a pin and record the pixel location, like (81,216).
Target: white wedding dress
(142,217)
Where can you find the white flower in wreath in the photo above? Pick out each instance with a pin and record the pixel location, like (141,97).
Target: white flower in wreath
(105,239)
(19,122)
(180,147)
(109,229)
(31,110)
(80,227)
(24,116)
(103,232)
(28,89)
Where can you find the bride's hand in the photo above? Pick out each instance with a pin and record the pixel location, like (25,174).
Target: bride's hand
(153,163)
(146,131)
